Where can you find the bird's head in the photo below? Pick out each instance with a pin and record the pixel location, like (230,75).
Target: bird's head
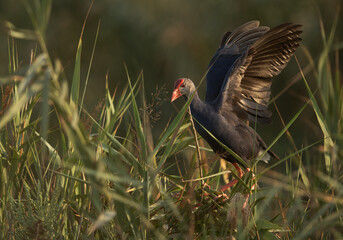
(182,86)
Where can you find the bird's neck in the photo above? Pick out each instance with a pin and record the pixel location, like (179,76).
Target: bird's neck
(197,105)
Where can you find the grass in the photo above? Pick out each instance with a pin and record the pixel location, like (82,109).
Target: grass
(70,174)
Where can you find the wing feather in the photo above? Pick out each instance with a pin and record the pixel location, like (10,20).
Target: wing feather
(233,45)
(247,84)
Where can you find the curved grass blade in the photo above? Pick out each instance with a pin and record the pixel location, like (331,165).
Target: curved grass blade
(75,85)
(32,83)
(89,67)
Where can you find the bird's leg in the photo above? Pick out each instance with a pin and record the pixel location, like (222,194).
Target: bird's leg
(233,182)
(240,171)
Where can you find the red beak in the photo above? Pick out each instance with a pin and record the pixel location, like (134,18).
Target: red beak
(176,94)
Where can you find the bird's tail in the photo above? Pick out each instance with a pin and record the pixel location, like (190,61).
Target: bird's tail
(273,155)
(266,157)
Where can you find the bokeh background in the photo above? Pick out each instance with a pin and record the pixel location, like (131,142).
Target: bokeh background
(172,39)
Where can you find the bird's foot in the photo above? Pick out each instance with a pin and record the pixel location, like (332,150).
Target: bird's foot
(221,198)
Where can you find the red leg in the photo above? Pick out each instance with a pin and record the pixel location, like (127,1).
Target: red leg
(233,182)
(240,171)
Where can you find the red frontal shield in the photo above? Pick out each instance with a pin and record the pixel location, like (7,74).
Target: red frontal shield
(177,93)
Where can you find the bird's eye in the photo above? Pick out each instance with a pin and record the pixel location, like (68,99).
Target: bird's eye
(179,83)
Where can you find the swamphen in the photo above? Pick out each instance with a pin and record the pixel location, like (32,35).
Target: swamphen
(239,77)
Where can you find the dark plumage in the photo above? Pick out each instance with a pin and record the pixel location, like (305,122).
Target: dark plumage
(239,78)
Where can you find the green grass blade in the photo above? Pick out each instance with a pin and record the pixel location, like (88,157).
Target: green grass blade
(328,142)
(175,125)
(137,119)
(32,83)
(90,65)
(75,85)
(119,147)
(289,124)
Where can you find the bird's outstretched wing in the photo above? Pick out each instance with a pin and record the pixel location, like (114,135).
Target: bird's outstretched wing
(232,46)
(246,88)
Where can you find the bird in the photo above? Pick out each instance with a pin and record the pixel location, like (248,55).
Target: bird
(238,90)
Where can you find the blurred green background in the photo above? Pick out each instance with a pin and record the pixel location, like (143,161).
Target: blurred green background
(172,39)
